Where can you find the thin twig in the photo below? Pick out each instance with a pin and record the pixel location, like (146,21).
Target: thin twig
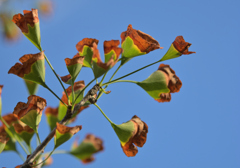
(89,97)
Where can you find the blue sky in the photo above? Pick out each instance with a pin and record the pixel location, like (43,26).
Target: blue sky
(199,128)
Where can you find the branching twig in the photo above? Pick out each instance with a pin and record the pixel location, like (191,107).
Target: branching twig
(90,96)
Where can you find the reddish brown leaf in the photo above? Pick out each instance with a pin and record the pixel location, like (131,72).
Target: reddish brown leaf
(62,129)
(28,17)
(172,80)
(10,119)
(139,137)
(86,41)
(77,59)
(112,45)
(1,86)
(174,83)
(3,135)
(96,57)
(45,7)
(27,61)
(88,160)
(182,46)
(34,103)
(97,142)
(145,42)
(66,78)
(51,111)
(77,86)
(19,128)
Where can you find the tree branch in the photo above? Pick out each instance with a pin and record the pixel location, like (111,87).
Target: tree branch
(90,96)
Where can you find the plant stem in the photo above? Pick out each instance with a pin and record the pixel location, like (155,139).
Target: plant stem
(20,155)
(103,113)
(55,74)
(38,137)
(14,136)
(115,72)
(131,73)
(130,81)
(73,96)
(103,78)
(53,93)
(29,149)
(60,152)
(39,149)
(44,159)
(100,93)
(57,152)
(25,150)
(37,142)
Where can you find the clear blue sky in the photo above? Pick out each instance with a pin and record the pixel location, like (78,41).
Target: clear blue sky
(199,128)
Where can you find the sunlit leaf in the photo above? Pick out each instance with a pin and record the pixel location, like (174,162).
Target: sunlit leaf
(132,132)
(177,48)
(30,113)
(135,43)
(32,68)
(29,25)
(64,133)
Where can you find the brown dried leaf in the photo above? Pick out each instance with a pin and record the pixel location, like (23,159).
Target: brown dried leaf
(182,46)
(28,17)
(145,42)
(27,61)
(62,129)
(86,41)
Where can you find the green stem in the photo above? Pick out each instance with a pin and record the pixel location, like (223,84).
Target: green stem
(100,93)
(38,137)
(25,150)
(60,152)
(37,142)
(131,73)
(55,74)
(83,90)
(102,90)
(29,149)
(103,113)
(20,155)
(73,96)
(14,136)
(115,72)
(130,81)
(57,152)
(103,78)
(45,85)
(44,159)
